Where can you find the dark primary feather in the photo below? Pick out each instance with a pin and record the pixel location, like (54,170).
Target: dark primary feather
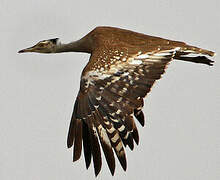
(87,145)
(78,141)
(139,116)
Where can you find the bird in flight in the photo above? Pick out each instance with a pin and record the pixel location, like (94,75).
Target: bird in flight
(122,69)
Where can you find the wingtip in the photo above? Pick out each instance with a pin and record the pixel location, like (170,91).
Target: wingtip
(123,161)
(87,166)
(124,166)
(69,145)
(139,116)
(97,171)
(112,171)
(75,158)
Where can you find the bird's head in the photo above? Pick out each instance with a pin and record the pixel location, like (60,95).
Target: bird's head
(45,46)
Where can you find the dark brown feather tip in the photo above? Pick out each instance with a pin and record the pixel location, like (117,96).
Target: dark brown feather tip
(139,116)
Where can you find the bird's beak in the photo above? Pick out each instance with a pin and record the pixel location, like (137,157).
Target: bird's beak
(30,49)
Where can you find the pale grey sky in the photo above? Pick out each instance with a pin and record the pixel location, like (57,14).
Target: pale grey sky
(181,139)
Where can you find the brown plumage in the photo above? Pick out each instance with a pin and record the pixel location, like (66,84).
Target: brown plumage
(121,71)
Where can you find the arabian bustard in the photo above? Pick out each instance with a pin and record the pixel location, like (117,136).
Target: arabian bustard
(121,71)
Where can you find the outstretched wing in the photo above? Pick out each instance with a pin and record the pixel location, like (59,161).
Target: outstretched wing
(112,89)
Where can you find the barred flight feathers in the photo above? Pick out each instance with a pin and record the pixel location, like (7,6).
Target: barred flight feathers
(113,86)
(105,142)
(96,152)
(105,107)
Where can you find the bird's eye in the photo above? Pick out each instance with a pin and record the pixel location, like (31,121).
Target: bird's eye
(42,44)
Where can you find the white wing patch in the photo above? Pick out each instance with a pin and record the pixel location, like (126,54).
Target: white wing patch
(142,56)
(136,62)
(91,76)
(162,54)
(96,75)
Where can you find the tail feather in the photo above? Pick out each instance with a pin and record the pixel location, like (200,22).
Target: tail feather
(197,59)
(196,50)
(207,52)
(186,50)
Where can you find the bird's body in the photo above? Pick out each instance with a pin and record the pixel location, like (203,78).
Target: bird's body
(121,71)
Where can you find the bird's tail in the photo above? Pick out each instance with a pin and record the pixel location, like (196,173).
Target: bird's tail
(186,50)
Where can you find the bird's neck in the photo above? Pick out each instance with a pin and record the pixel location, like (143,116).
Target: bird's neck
(82,45)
